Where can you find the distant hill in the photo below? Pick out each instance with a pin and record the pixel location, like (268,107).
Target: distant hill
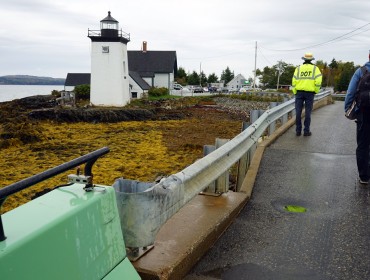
(30,80)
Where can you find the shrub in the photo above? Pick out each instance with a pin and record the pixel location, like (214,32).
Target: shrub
(82,92)
(155,92)
(55,93)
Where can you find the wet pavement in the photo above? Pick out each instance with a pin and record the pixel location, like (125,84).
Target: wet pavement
(329,240)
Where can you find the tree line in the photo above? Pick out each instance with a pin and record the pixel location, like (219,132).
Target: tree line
(30,80)
(336,74)
(195,78)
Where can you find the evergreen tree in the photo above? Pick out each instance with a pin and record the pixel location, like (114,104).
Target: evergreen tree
(331,73)
(212,78)
(181,77)
(193,78)
(227,75)
(203,79)
(333,64)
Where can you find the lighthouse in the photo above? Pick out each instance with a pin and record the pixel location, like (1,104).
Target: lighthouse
(109,85)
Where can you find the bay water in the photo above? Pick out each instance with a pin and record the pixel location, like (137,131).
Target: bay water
(11,92)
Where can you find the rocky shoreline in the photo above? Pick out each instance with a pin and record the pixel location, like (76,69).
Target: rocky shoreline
(45,108)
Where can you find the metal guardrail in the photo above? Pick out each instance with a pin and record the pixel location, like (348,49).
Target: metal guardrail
(198,175)
(98,33)
(144,212)
(341,95)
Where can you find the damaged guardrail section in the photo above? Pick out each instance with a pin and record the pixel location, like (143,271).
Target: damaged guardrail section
(145,207)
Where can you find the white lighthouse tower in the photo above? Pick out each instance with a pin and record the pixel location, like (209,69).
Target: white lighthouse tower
(109,85)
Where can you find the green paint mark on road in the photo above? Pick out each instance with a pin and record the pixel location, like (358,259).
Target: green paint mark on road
(295,208)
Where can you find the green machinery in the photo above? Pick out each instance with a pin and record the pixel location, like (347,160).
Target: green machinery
(73,232)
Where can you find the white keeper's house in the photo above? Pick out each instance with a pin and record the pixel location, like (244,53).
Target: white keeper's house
(236,83)
(118,75)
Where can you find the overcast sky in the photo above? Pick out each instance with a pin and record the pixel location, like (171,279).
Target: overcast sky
(49,38)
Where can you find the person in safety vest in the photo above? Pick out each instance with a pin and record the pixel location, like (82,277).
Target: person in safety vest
(306,82)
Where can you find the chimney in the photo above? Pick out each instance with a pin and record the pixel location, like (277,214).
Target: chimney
(144,46)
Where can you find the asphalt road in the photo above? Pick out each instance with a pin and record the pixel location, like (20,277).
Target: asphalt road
(330,241)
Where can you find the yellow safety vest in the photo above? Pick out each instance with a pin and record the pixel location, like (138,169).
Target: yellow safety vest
(307,77)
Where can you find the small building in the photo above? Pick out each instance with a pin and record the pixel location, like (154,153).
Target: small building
(156,68)
(138,86)
(76,79)
(236,83)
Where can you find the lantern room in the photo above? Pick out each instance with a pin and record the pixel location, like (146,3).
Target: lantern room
(109,26)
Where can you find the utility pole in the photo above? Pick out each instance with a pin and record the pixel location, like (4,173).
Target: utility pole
(200,74)
(255,66)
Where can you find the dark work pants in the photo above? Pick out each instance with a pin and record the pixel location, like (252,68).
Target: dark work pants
(363,142)
(303,98)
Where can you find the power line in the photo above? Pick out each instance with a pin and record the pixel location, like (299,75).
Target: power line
(326,42)
(212,57)
(264,57)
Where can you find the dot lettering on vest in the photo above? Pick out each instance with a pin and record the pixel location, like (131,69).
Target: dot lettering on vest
(306,73)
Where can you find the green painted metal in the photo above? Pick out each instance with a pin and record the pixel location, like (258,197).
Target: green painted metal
(124,270)
(65,234)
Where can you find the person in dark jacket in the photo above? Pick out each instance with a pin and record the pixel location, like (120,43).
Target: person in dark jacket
(363,127)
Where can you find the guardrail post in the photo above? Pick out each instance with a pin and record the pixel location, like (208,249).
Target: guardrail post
(293,111)
(222,182)
(243,164)
(284,118)
(207,149)
(254,115)
(272,126)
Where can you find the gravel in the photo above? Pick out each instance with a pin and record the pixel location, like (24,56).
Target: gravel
(239,106)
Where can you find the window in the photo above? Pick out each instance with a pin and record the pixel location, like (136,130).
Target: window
(105,49)
(134,94)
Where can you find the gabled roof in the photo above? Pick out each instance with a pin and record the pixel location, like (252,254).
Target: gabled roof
(75,79)
(150,62)
(142,83)
(237,77)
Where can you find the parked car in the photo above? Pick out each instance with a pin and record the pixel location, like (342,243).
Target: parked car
(212,89)
(233,90)
(179,89)
(245,89)
(198,89)
(222,90)
(177,86)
